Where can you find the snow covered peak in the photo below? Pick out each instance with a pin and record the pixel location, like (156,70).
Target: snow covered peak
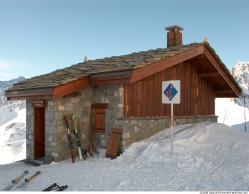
(4,85)
(240,72)
(9,109)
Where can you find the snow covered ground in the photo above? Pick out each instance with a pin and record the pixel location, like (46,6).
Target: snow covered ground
(12,126)
(231,114)
(13,138)
(216,157)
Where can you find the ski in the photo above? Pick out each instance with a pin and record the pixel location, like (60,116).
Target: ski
(29,179)
(55,187)
(16,180)
(91,133)
(49,188)
(69,138)
(82,151)
(60,188)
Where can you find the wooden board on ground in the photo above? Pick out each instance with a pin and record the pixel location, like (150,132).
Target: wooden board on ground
(113,143)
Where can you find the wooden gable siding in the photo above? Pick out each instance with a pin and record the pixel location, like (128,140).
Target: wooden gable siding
(143,98)
(161,65)
(69,88)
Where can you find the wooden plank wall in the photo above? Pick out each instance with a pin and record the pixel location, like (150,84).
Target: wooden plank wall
(143,98)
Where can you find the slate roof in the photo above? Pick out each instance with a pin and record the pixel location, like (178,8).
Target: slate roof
(109,64)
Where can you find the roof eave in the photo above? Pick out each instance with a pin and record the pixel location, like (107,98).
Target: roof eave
(222,70)
(43,93)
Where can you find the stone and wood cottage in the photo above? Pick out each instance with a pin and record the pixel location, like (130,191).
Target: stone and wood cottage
(123,92)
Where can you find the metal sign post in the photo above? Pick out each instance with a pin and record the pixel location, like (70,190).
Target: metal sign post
(171,129)
(171,95)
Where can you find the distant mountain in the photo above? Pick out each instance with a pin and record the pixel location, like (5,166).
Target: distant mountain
(9,109)
(240,72)
(4,85)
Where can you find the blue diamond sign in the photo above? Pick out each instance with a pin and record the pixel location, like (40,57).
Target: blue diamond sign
(171,92)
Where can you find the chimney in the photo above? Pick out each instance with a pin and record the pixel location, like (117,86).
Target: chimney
(174,36)
(85,59)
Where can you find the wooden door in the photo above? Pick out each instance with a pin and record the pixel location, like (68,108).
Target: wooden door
(39,132)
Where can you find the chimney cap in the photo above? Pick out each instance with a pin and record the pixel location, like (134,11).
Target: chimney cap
(174,27)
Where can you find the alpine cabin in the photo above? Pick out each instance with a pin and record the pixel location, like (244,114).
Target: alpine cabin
(122,92)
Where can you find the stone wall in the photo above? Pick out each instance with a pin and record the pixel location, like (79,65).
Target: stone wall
(56,144)
(113,96)
(137,129)
(80,104)
(29,130)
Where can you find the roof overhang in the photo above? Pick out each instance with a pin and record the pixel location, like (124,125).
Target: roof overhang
(203,50)
(48,93)
(25,94)
(70,87)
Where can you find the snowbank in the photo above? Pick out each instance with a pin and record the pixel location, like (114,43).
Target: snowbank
(231,113)
(6,114)
(215,157)
(13,138)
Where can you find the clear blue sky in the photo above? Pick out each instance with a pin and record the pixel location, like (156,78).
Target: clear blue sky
(39,36)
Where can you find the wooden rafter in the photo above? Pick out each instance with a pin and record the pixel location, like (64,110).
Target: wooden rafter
(221,71)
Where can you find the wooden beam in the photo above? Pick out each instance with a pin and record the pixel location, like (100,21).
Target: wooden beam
(100,105)
(212,74)
(225,93)
(108,81)
(38,103)
(165,63)
(48,97)
(221,71)
(22,94)
(68,88)
(110,77)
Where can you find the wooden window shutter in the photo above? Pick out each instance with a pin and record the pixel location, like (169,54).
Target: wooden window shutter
(99,120)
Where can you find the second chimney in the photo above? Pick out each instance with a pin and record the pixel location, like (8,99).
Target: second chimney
(174,36)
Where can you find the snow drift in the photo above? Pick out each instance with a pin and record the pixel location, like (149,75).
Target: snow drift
(214,157)
(12,126)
